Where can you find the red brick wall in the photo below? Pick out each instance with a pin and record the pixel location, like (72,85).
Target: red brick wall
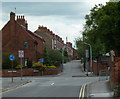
(13,37)
(98,67)
(115,71)
(29,72)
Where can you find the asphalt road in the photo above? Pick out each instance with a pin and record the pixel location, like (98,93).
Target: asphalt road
(63,85)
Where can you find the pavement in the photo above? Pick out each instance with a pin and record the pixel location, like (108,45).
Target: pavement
(8,85)
(99,89)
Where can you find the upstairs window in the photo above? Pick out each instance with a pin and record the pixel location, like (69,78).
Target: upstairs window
(25,44)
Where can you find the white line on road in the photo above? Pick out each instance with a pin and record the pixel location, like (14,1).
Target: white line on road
(52,84)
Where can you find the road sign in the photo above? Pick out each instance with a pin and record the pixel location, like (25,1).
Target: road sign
(21,53)
(11,57)
(41,60)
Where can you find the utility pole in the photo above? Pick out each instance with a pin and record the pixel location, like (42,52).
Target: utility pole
(90,55)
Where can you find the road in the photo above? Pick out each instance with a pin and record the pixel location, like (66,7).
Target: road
(63,85)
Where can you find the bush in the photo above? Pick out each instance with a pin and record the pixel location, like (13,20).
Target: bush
(39,66)
(18,67)
(6,63)
(66,60)
(53,57)
(51,66)
(29,64)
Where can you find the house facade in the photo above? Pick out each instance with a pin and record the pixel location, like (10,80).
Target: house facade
(52,41)
(69,49)
(16,37)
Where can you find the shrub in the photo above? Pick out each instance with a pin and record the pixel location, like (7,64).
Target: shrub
(6,63)
(39,66)
(51,67)
(29,64)
(18,67)
(54,57)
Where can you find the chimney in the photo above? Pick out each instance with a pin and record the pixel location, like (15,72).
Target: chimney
(26,25)
(21,21)
(12,16)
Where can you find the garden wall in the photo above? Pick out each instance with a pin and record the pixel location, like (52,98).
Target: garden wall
(29,72)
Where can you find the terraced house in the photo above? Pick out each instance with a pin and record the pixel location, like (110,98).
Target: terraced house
(52,41)
(16,36)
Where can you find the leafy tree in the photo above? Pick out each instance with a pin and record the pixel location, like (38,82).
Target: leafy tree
(80,48)
(52,57)
(102,28)
(55,57)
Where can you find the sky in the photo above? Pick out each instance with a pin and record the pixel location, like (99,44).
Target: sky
(65,18)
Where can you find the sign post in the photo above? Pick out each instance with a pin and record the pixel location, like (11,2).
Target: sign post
(12,57)
(21,55)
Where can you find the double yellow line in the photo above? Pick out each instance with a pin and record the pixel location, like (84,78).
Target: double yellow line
(82,92)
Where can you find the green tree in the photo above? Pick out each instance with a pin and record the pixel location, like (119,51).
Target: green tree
(55,57)
(102,28)
(52,57)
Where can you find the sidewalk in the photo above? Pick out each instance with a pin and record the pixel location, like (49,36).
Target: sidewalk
(7,83)
(99,89)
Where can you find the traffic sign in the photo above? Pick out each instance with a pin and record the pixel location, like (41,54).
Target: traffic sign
(41,60)
(11,57)
(21,53)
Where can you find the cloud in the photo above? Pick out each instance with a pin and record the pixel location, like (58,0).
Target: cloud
(63,18)
(60,27)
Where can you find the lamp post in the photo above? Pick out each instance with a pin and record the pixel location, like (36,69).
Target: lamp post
(63,55)
(90,55)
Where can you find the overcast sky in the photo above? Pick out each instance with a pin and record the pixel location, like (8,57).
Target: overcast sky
(65,18)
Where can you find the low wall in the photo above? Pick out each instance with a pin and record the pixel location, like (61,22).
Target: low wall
(28,72)
(115,71)
(98,67)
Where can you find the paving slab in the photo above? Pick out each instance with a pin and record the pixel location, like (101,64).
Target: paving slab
(100,89)
(7,83)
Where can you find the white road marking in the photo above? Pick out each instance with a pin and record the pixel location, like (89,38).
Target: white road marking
(52,84)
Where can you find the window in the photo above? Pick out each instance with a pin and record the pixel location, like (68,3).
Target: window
(25,44)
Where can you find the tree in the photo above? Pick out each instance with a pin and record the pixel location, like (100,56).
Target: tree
(52,57)
(55,57)
(102,28)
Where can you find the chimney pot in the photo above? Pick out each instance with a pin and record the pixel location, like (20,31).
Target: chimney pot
(12,16)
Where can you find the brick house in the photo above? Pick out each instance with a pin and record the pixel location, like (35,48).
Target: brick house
(69,49)
(52,41)
(16,36)
(75,56)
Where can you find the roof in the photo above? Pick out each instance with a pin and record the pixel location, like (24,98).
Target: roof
(34,34)
(31,33)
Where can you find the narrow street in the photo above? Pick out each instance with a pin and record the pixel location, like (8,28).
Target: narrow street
(66,84)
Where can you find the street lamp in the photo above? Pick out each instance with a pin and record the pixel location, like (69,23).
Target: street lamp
(90,55)
(63,55)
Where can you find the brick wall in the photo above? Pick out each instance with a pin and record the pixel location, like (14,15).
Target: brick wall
(115,71)
(97,67)
(28,72)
